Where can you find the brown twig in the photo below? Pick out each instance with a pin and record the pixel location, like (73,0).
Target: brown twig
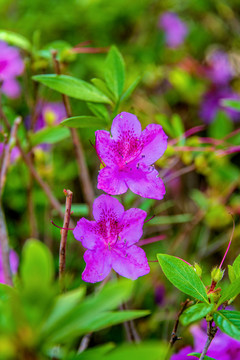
(174,336)
(4,244)
(7,153)
(64,233)
(211,333)
(82,168)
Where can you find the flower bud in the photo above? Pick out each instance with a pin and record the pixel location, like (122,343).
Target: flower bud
(198,269)
(217,274)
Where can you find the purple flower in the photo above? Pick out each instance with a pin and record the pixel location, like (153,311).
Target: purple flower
(222,347)
(13,258)
(15,153)
(11,65)
(211,104)
(110,240)
(220,70)
(49,114)
(174,28)
(128,156)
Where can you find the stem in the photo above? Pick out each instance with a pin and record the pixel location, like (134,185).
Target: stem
(174,336)
(79,152)
(211,333)
(179,173)
(4,245)
(229,244)
(64,233)
(7,153)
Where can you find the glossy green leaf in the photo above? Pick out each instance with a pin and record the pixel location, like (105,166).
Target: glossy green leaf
(84,122)
(115,72)
(233,104)
(183,276)
(221,126)
(99,110)
(236,266)
(198,355)
(230,291)
(49,135)
(15,39)
(131,89)
(195,312)
(37,265)
(101,85)
(231,273)
(73,87)
(229,322)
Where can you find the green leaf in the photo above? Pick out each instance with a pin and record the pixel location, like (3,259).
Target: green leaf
(229,292)
(228,322)
(37,265)
(166,124)
(78,209)
(15,39)
(174,219)
(221,126)
(101,85)
(236,266)
(84,122)
(195,312)
(131,89)
(231,273)
(115,72)
(99,110)
(233,104)
(200,199)
(198,355)
(177,126)
(49,135)
(73,87)
(183,276)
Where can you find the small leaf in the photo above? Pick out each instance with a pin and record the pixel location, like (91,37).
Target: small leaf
(195,312)
(84,122)
(78,209)
(231,291)
(177,126)
(231,273)
(131,89)
(236,266)
(101,85)
(173,219)
(166,124)
(49,135)
(221,126)
(233,104)
(115,72)
(99,110)
(73,87)
(198,355)
(15,39)
(228,322)
(37,265)
(183,276)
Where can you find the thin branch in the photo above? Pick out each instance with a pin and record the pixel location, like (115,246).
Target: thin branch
(64,233)
(4,245)
(179,173)
(174,336)
(7,153)
(211,333)
(79,152)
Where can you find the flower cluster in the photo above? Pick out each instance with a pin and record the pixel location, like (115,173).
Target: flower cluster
(111,239)
(11,66)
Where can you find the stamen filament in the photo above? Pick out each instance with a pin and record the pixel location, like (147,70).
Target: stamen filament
(61,227)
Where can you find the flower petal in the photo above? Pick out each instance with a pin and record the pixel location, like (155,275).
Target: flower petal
(85,231)
(125,125)
(145,182)
(112,181)
(132,223)
(130,262)
(11,88)
(98,265)
(107,207)
(106,147)
(154,142)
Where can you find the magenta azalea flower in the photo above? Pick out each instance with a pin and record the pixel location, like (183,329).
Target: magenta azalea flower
(128,156)
(13,258)
(110,241)
(174,28)
(11,65)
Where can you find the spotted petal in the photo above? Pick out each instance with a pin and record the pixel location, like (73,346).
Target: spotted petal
(112,181)
(85,231)
(106,147)
(106,207)
(132,224)
(125,124)
(130,262)
(154,142)
(98,265)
